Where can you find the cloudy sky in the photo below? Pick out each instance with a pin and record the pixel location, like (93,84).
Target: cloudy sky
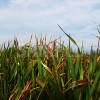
(24,17)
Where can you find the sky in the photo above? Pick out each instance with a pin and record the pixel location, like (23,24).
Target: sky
(25,17)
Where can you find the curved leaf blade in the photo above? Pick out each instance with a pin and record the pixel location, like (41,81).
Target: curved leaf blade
(69,37)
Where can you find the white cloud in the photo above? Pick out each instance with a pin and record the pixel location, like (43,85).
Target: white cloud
(75,16)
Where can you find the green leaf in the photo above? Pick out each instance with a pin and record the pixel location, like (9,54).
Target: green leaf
(96,81)
(69,37)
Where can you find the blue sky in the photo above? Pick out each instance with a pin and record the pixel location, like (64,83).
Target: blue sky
(24,17)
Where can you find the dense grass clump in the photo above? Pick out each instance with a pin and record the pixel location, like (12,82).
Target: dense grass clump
(49,71)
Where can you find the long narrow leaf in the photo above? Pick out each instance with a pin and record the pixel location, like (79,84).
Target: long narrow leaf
(69,37)
(24,90)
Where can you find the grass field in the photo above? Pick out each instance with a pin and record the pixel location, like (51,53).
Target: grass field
(49,71)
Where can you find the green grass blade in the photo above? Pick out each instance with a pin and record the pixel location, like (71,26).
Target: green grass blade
(96,81)
(69,37)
